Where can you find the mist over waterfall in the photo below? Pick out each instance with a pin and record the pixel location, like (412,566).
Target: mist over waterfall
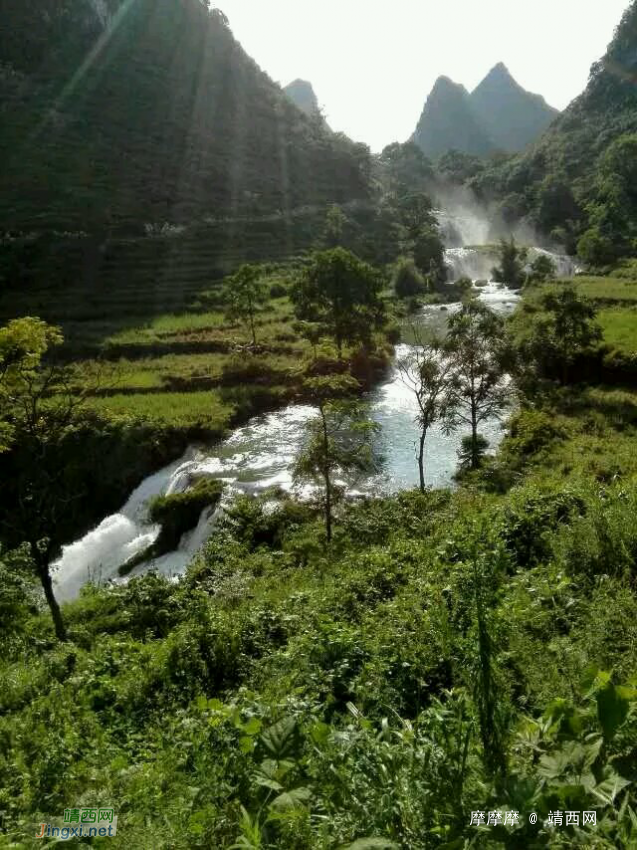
(471,231)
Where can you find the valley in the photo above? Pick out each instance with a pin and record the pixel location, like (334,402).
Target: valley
(318,467)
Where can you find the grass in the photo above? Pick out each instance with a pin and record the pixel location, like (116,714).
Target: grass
(169,349)
(606,290)
(182,410)
(160,373)
(620,328)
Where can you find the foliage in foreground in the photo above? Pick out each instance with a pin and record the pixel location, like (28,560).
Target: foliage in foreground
(442,658)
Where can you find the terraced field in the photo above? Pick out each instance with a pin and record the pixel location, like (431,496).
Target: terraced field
(165,350)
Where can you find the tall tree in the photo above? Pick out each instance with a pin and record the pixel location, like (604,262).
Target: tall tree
(39,411)
(479,388)
(342,294)
(416,213)
(245,294)
(427,372)
(339,439)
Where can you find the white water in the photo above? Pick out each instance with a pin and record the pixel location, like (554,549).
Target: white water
(261,455)
(477,263)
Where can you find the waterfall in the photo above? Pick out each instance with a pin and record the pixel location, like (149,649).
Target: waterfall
(477,263)
(97,556)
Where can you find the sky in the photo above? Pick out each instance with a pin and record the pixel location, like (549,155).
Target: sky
(373,63)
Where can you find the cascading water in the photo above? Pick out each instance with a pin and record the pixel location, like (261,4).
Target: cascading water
(259,456)
(478,263)
(262,454)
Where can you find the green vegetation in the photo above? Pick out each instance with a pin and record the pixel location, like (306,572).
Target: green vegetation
(447,654)
(245,296)
(329,673)
(407,280)
(479,388)
(342,295)
(512,263)
(555,330)
(170,121)
(176,514)
(576,183)
(339,440)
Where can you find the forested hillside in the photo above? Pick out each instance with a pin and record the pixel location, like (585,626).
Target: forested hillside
(115,115)
(579,179)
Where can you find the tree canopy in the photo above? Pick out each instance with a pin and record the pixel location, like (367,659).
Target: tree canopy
(342,294)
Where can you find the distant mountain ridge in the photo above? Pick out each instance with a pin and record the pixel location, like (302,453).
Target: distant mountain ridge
(448,121)
(499,115)
(580,175)
(302,94)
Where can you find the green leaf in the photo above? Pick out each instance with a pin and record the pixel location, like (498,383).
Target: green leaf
(293,799)
(371,844)
(246,744)
(612,709)
(252,727)
(282,739)
(610,788)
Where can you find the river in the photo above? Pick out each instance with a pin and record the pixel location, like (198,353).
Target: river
(262,453)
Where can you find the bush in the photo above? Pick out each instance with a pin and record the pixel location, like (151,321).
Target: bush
(595,249)
(531,431)
(278,290)
(177,514)
(407,280)
(180,512)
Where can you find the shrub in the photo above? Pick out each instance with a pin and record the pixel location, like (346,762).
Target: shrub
(407,280)
(180,512)
(278,290)
(177,514)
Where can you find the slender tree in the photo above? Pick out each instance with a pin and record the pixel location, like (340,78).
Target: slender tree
(245,294)
(427,372)
(39,415)
(479,387)
(339,439)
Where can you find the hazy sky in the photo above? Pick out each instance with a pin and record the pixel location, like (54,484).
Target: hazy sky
(373,63)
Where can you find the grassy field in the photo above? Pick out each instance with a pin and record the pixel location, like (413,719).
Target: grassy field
(615,297)
(183,410)
(170,355)
(620,328)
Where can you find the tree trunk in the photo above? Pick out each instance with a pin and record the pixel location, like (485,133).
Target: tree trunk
(328,508)
(47,585)
(421,461)
(326,477)
(56,614)
(475,460)
(254,333)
